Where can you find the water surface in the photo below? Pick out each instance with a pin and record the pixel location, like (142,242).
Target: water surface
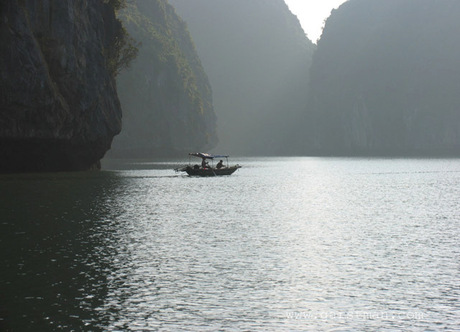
(286,244)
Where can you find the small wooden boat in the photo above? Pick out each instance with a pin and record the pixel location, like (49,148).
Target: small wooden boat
(208,170)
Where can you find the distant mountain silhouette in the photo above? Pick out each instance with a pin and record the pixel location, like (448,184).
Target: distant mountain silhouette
(385,79)
(257,58)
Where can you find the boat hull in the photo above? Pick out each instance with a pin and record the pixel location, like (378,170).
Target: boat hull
(210,171)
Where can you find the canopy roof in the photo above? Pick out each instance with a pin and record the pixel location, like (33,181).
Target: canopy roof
(207,155)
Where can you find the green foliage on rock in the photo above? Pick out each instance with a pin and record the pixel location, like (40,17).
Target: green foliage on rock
(116,4)
(122,48)
(122,51)
(165,95)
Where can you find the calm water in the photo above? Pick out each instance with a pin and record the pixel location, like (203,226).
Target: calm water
(287,244)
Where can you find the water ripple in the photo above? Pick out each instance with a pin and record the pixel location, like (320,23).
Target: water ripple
(288,244)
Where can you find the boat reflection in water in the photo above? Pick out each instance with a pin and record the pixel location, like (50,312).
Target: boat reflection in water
(208,170)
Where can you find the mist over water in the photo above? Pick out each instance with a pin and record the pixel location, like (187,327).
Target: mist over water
(283,244)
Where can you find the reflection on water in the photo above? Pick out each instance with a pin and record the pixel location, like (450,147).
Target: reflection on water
(51,242)
(283,244)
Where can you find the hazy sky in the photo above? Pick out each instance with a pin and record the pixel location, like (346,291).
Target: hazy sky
(312,13)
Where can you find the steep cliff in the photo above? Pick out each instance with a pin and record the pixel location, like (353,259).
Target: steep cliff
(257,58)
(58,102)
(385,79)
(165,95)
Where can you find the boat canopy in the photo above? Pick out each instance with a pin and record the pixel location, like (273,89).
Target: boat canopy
(207,155)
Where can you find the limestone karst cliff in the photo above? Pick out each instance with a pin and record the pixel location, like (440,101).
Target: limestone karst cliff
(385,79)
(257,58)
(165,94)
(59,108)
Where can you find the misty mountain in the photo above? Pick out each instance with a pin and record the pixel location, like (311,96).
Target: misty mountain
(385,79)
(59,108)
(257,58)
(165,95)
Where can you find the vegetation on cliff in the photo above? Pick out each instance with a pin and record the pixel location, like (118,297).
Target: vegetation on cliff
(165,95)
(123,48)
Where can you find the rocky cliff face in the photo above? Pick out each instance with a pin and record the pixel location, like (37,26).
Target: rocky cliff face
(257,58)
(165,95)
(58,102)
(385,79)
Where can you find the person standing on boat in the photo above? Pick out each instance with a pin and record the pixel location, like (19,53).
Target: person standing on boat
(220,164)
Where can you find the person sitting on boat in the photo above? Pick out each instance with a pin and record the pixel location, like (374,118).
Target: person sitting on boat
(220,164)
(204,163)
